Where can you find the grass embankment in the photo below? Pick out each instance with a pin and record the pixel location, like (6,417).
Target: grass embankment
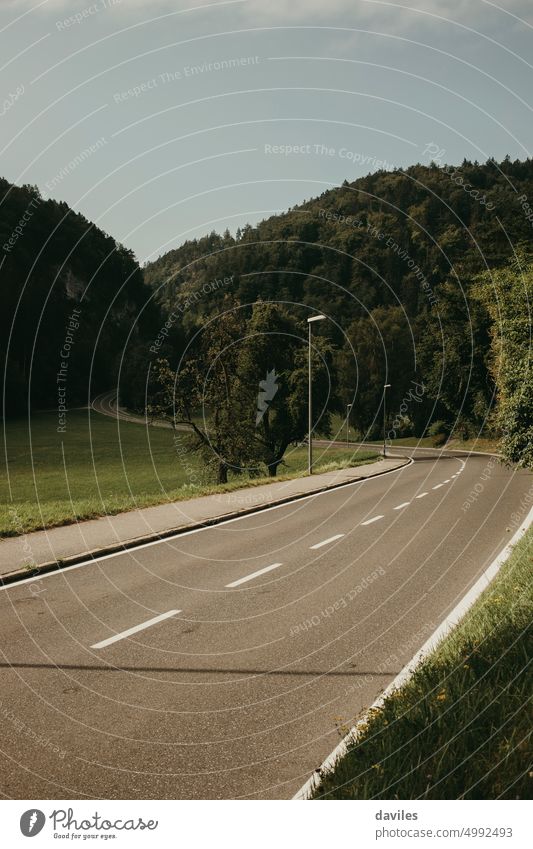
(453,444)
(490,446)
(480,443)
(412,442)
(97,468)
(461,726)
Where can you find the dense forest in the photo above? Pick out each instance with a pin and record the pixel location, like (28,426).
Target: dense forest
(70,297)
(424,276)
(403,265)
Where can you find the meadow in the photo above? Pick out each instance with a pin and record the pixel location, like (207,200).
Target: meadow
(100,466)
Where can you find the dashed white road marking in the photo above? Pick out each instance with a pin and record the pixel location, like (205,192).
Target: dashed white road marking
(374,519)
(326,541)
(253,575)
(354,734)
(422,494)
(218,524)
(438,486)
(135,629)
(447,481)
(401,506)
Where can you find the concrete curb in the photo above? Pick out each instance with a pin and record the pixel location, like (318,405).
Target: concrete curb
(128,545)
(445,627)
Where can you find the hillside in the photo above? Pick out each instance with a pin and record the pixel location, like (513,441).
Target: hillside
(393,260)
(69,296)
(361,237)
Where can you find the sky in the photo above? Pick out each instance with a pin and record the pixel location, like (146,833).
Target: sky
(162,120)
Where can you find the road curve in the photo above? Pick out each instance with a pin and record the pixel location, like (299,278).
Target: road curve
(227,662)
(107,405)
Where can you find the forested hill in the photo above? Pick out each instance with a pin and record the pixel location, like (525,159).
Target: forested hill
(393,259)
(69,295)
(359,238)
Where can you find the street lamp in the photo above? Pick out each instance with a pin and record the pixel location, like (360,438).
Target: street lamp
(385,387)
(348,408)
(310,403)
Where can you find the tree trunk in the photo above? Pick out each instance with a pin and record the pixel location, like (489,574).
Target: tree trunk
(278,459)
(222,473)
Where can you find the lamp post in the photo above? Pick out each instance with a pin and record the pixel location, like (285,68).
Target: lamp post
(385,387)
(348,408)
(310,402)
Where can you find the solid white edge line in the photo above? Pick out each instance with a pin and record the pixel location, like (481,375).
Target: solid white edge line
(92,560)
(422,494)
(253,575)
(374,519)
(448,624)
(136,628)
(325,541)
(401,506)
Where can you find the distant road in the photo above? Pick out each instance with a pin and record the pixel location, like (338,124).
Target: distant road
(107,405)
(227,662)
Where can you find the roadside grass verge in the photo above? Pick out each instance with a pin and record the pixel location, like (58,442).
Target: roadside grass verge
(453,444)
(491,446)
(461,726)
(410,441)
(101,467)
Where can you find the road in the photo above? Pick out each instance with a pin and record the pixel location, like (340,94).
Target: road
(107,405)
(271,634)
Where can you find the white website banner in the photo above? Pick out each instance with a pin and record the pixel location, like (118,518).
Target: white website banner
(258,823)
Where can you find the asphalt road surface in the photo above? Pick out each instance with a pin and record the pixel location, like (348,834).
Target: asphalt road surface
(264,637)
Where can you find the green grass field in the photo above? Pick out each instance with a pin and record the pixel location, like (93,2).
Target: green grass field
(99,467)
(461,726)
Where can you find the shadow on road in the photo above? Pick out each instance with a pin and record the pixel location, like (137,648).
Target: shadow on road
(193,670)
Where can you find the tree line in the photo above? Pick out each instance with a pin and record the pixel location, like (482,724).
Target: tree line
(424,287)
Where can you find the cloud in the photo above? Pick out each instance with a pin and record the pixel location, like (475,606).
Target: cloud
(384,14)
(474,13)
